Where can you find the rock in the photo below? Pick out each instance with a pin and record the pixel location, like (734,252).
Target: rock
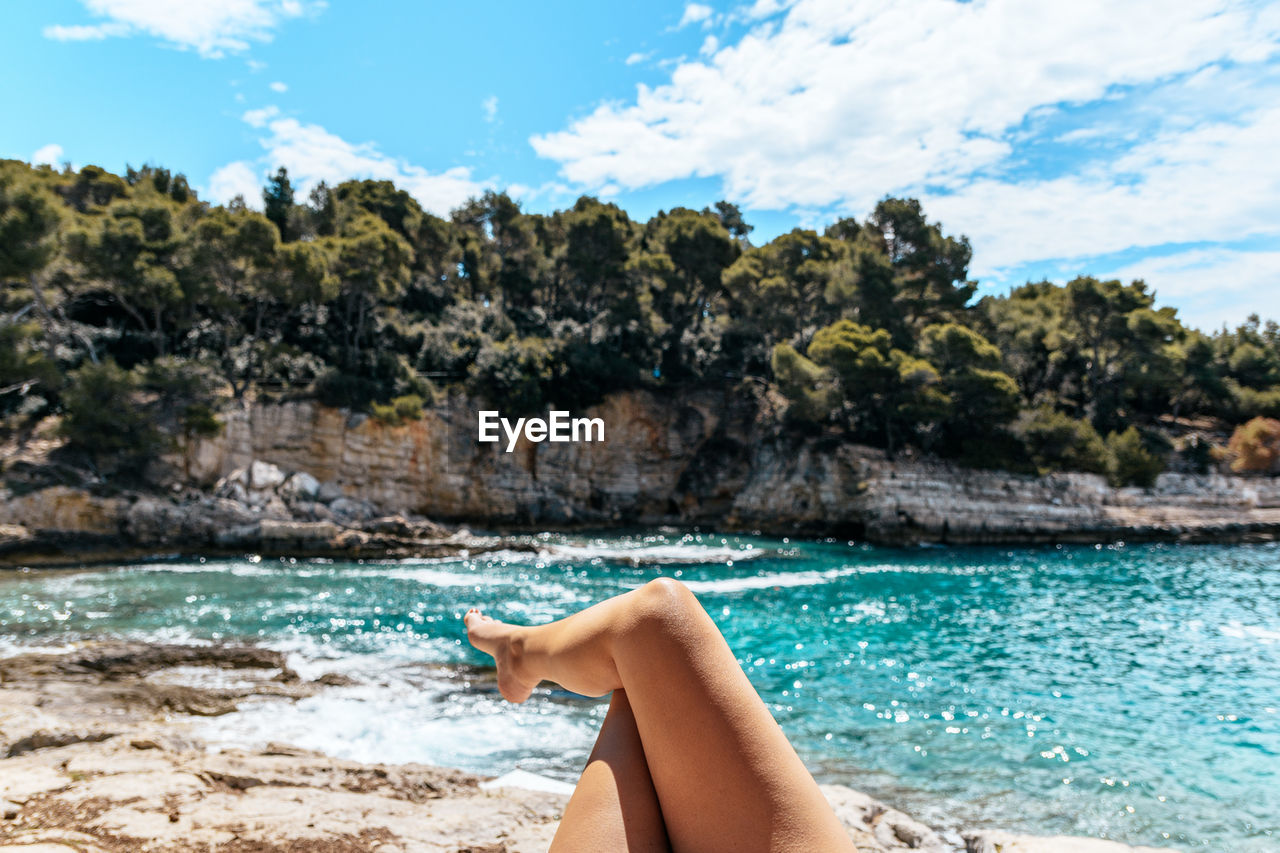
(300,486)
(161,521)
(53,740)
(64,509)
(276,508)
(336,679)
(876,826)
(997,841)
(708,458)
(265,477)
(350,511)
(329,492)
(285,536)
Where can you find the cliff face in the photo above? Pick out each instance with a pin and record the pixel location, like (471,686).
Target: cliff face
(708,459)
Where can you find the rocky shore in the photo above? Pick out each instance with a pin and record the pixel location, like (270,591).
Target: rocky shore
(299,479)
(98,753)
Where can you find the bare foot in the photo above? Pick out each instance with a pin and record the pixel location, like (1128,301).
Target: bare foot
(501,641)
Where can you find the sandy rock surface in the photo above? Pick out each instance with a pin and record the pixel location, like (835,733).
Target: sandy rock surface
(97,753)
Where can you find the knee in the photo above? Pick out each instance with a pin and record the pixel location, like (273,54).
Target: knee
(667,598)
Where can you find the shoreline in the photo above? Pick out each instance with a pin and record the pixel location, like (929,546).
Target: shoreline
(101,752)
(63,527)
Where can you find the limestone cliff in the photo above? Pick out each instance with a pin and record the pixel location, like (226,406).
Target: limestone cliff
(712,458)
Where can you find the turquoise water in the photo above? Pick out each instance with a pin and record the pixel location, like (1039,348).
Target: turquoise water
(1125,692)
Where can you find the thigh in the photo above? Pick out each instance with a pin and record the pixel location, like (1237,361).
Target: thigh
(726,777)
(614,806)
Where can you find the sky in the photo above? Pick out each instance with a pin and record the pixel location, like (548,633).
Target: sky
(1117,138)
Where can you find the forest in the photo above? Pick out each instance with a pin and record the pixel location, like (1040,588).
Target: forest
(134,311)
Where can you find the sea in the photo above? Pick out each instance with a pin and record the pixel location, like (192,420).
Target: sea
(1120,691)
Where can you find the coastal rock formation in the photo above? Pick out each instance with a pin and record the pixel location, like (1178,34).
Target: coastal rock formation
(300,479)
(715,459)
(94,757)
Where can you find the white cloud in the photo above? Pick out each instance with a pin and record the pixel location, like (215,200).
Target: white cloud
(833,105)
(637,58)
(212,28)
(237,179)
(1212,287)
(709,46)
(84,32)
(313,154)
(490,107)
(280,87)
(695,13)
(1217,182)
(255,65)
(260,116)
(48,155)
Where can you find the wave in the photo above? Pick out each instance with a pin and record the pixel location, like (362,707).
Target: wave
(645,555)
(1240,631)
(770,581)
(430,721)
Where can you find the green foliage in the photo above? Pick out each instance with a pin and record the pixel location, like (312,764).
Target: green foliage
(29,222)
(1131,463)
(406,408)
(359,297)
(887,392)
(806,386)
(1254,447)
(1058,442)
(186,397)
(515,375)
(103,417)
(277,202)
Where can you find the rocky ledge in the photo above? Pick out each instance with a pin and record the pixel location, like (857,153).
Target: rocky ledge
(98,755)
(257,509)
(300,479)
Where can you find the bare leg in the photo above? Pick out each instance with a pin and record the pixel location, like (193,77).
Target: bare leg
(614,806)
(725,775)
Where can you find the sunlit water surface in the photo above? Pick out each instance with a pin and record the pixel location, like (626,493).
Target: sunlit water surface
(1123,692)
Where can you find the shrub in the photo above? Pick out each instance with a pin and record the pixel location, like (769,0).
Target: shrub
(807,387)
(344,390)
(102,416)
(1197,453)
(401,409)
(1131,463)
(514,374)
(1255,446)
(1057,442)
(1254,402)
(187,398)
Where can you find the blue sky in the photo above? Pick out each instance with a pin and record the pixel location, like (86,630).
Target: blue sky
(1131,138)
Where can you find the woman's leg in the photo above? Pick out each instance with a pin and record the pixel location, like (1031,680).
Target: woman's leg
(614,807)
(725,775)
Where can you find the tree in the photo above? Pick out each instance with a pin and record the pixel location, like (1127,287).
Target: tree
(687,252)
(731,218)
(277,203)
(1254,447)
(883,386)
(1131,462)
(982,398)
(1057,442)
(101,416)
(134,251)
(372,265)
(808,387)
(930,269)
(29,224)
(243,274)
